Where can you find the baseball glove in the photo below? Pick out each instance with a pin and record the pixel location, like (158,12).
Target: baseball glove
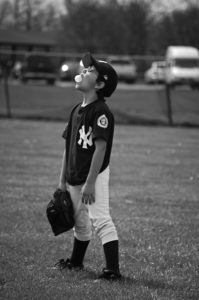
(60,212)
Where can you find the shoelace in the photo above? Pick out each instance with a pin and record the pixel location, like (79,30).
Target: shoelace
(61,264)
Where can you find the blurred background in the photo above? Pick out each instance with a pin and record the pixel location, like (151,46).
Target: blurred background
(42,42)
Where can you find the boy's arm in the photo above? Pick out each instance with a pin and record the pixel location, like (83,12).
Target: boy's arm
(62,177)
(88,189)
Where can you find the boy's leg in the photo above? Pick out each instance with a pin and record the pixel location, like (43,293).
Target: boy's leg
(105,228)
(108,235)
(82,231)
(79,251)
(112,270)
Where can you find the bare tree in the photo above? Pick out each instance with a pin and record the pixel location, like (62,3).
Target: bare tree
(52,18)
(25,12)
(28,15)
(105,27)
(47,18)
(4,12)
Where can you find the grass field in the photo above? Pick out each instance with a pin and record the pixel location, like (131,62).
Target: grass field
(130,104)
(154,203)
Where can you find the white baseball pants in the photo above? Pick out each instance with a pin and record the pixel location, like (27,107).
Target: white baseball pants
(97,212)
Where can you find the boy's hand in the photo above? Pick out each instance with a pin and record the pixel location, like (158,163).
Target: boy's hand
(88,193)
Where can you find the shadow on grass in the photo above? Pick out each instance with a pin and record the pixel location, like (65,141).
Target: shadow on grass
(82,274)
(88,274)
(150,283)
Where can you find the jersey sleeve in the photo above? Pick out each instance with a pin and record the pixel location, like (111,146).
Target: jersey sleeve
(103,125)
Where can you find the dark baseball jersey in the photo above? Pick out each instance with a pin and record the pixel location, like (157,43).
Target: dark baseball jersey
(86,124)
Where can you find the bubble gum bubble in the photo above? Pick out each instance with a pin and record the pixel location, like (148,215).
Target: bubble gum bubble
(78,78)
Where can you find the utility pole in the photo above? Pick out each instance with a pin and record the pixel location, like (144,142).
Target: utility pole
(169,105)
(6,90)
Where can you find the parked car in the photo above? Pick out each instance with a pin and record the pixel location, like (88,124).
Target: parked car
(156,73)
(37,67)
(182,66)
(68,70)
(125,68)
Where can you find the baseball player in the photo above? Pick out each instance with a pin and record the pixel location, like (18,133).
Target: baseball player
(85,165)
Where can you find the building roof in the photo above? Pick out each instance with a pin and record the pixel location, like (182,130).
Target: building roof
(13,37)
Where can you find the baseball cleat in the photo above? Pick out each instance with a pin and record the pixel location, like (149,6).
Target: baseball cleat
(67,264)
(110,274)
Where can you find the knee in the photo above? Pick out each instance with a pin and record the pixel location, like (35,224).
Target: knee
(83,232)
(83,228)
(105,229)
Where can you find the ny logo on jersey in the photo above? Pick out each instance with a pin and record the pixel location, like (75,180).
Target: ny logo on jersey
(86,138)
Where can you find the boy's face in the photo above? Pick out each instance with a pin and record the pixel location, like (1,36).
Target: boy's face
(88,81)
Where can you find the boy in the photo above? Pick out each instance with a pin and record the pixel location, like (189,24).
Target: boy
(85,165)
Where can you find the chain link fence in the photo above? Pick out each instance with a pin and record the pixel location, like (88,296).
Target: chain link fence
(49,93)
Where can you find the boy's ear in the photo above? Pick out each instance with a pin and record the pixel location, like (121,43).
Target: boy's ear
(99,85)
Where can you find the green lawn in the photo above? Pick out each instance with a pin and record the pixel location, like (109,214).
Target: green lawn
(154,203)
(140,105)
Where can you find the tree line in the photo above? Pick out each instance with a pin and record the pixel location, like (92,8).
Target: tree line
(116,27)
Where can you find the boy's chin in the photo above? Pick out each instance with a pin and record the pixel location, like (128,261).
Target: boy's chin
(77,87)
(80,88)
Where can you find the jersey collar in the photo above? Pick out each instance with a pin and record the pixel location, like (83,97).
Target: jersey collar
(83,108)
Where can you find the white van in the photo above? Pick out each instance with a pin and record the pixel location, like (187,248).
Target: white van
(182,66)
